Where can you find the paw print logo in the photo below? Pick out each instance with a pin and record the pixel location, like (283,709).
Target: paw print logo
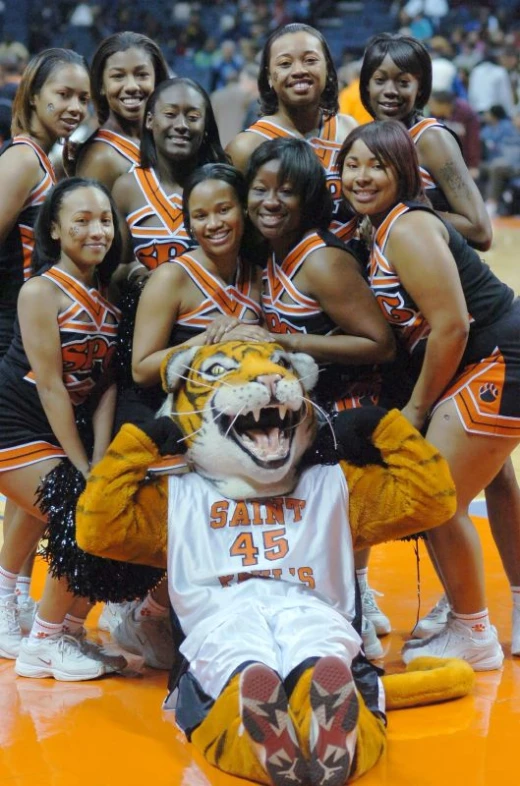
(488,392)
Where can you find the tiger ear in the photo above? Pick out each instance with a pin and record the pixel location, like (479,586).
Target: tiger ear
(306,368)
(174,367)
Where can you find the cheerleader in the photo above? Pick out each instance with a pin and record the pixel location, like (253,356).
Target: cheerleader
(57,367)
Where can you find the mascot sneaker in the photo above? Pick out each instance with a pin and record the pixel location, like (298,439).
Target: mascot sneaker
(483,653)
(150,637)
(60,657)
(371,645)
(112,615)
(26,613)
(515,641)
(373,613)
(265,716)
(434,621)
(335,712)
(10,632)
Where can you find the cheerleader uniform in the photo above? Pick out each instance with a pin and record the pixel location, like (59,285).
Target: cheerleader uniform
(344,222)
(88,330)
(235,300)
(154,245)
(128,148)
(486,386)
(16,250)
(433,191)
(287,310)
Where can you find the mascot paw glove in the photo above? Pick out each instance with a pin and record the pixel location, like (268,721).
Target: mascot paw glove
(166,435)
(353,429)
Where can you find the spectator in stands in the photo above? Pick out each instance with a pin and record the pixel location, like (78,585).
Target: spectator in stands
(349,97)
(457,114)
(444,71)
(489,84)
(227,65)
(231,104)
(501,140)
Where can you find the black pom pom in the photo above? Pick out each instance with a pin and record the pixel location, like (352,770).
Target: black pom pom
(87,576)
(125,333)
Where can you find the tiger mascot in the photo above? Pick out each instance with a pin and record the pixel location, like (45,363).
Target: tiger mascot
(259,540)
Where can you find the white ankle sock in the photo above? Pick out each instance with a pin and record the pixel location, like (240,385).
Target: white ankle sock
(23,585)
(7,582)
(150,608)
(72,624)
(515,591)
(362,577)
(41,629)
(477,623)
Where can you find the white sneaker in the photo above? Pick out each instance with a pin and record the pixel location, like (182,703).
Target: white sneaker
(372,611)
(26,612)
(434,621)
(60,657)
(112,615)
(455,640)
(515,640)
(371,644)
(10,632)
(150,637)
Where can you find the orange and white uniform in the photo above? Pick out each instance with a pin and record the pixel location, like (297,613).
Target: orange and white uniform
(288,310)
(155,244)
(88,329)
(486,387)
(326,147)
(17,248)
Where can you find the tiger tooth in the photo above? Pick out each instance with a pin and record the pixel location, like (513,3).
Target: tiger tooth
(256,414)
(283,412)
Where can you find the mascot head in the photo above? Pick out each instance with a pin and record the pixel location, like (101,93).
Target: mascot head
(244,411)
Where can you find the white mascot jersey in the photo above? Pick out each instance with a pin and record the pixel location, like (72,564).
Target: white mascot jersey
(223,553)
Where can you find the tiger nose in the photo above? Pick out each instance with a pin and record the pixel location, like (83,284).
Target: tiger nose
(270,381)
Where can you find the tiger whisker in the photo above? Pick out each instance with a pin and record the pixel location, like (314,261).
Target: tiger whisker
(213,420)
(234,420)
(325,416)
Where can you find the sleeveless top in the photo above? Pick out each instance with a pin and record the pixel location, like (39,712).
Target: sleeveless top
(128,148)
(434,193)
(232,300)
(88,329)
(154,245)
(17,248)
(344,223)
(487,298)
(287,310)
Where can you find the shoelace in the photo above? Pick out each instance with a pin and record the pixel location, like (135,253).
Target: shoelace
(9,614)
(441,606)
(369,601)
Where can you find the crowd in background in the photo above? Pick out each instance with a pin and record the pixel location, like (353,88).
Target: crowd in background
(474,46)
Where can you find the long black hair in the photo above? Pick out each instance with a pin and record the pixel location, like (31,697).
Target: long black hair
(213,171)
(409,54)
(47,250)
(121,42)
(269,99)
(210,150)
(300,167)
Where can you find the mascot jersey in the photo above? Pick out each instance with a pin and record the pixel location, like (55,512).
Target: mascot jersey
(154,245)
(326,147)
(217,545)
